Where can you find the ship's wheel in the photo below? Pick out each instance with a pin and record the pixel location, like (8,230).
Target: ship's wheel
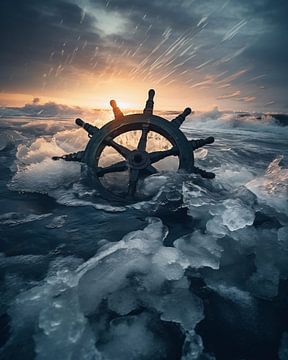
(137,162)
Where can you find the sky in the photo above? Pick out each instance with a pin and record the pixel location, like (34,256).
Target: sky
(199,53)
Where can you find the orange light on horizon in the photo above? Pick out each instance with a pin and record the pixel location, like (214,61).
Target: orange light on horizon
(129,95)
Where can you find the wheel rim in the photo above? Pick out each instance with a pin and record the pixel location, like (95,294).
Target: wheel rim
(138,160)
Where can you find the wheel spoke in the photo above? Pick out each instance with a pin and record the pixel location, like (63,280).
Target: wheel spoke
(205,174)
(159,155)
(120,166)
(150,170)
(117,112)
(143,139)
(181,118)
(133,179)
(122,150)
(196,144)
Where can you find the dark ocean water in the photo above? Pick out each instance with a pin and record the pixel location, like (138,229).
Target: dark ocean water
(198,272)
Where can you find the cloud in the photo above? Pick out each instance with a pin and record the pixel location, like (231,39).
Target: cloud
(229,96)
(248,98)
(50,44)
(108,22)
(35,109)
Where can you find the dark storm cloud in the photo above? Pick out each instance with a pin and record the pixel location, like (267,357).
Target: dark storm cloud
(43,40)
(270,53)
(38,35)
(271,49)
(162,12)
(32,30)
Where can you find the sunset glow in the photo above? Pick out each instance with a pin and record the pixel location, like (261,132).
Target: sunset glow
(86,53)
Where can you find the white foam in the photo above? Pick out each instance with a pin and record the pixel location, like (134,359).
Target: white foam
(14,219)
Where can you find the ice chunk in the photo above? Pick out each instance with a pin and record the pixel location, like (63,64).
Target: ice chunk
(233,174)
(45,176)
(203,198)
(136,271)
(201,154)
(197,196)
(71,140)
(65,331)
(123,301)
(215,227)
(192,347)
(109,275)
(8,137)
(105,274)
(200,249)
(237,215)
(52,312)
(170,263)
(57,222)
(272,188)
(153,184)
(38,151)
(148,239)
(131,338)
(246,196)
(188,314)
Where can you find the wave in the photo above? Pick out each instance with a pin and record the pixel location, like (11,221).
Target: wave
(235,121)
(47,110)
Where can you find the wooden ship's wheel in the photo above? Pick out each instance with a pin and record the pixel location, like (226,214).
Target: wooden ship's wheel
(138,162)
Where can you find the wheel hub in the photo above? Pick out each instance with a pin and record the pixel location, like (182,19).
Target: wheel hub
(138,159)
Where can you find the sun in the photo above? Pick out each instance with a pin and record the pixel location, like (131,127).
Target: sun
(123,105)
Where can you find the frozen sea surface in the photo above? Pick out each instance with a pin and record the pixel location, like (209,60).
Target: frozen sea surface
(198,272)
